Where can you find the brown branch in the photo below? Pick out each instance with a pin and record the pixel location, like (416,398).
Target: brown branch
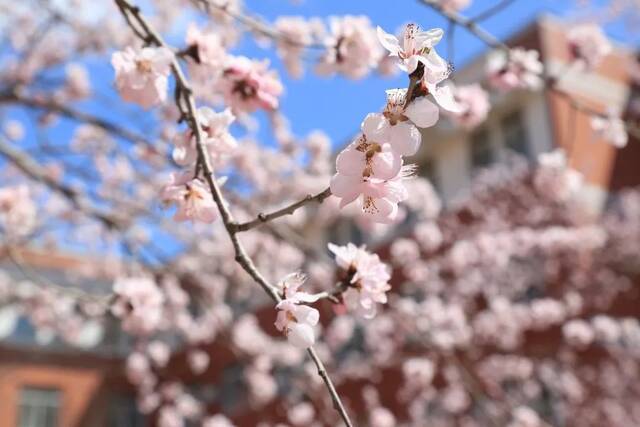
(186,104)
(288,210)
(14,97)
(34,170)
(259,26)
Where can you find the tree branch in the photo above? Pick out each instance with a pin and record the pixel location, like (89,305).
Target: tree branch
(13,96)
(186,104)
(288,210)
(35,171)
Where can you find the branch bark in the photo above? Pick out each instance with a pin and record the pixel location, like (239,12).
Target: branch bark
(186,104)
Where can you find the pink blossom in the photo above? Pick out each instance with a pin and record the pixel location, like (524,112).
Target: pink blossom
(417,47)
(217,421)
(554,178)
(369,278)
(302,414)
(612,129)
(454,5)
(248,85)
(198,361)
(588,45)
(142,74)
(519,69)
(218,142)
(138,304)
(474,105)
(159,352)
(208,46)
(378,199)
(169,416)
(290,285)
(523,416)
(77,85)
(370,155)
(295,33)
(353,48)
(192,196)
(296,322)
(17,210)
(401,124)
(578,332)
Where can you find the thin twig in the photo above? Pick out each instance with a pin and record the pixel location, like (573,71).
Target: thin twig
(492,10)
(68,112)
(259,26)
(35,171)
(186,104)
(288,210)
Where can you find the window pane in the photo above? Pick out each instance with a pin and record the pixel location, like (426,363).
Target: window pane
(481,152)
(39,407)
(515,135)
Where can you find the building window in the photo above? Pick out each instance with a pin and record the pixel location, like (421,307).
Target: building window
(39,407)
(427,169)
(481,150)
(515,134)
(123,412)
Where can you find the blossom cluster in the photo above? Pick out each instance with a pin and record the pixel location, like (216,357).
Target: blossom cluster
(371,169)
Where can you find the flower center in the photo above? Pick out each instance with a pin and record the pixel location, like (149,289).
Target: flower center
(144,66)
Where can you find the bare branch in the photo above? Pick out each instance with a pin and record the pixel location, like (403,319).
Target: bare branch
(288,210)
(186,104)
(56,107)
(35,171)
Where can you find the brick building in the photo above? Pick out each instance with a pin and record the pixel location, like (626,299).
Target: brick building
(530,123)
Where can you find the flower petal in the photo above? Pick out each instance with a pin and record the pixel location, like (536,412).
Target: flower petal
(405,138)
(422,112)
(375,128)
(301,335)
(388,41)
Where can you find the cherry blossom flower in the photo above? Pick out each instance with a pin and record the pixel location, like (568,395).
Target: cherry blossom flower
(295,33)
(139,304)
(17,210)
(353,48)
(578,332)
(218,142)
(77,85)
(217,421)
(454,5)
(207,47)
(588,45)
(519,69)
(369,155)
(417,47)
(402,123)
(554,178)
(377,198)
(289,286)
(248,85)
(474,105)
(142,74)
(296,322)
(192,196)
(612,129)
(369,278)
(198,361)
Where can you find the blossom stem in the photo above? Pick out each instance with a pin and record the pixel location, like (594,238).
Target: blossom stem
(288,210)
(188,109)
